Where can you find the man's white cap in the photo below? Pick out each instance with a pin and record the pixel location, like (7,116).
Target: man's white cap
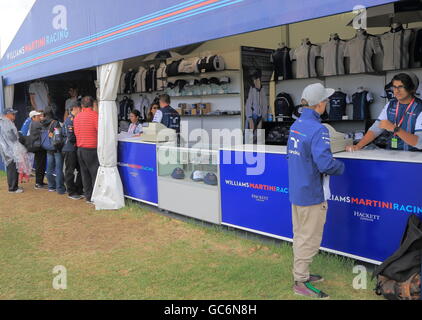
(316,93)
(34,114)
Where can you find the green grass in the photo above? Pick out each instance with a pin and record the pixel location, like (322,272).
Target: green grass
(167,259)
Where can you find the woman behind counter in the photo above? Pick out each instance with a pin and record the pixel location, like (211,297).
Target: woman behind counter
(135,127)
(401,117)
(152,110)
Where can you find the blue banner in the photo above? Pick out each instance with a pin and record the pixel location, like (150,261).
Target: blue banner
(367,214)
(67,35)
(137,163)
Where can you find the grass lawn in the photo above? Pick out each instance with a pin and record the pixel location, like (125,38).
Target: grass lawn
(134,253)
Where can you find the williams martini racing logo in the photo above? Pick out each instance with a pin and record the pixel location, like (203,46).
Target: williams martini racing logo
(257,186)
(400,207)
(59,24)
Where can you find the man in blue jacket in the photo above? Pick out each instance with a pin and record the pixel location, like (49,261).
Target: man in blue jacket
(310,161)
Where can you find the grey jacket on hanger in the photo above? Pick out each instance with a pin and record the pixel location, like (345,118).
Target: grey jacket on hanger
(305,57)
(333,54)
(395,46)
(360,50)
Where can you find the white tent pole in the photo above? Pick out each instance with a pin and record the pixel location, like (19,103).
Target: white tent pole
(108,189)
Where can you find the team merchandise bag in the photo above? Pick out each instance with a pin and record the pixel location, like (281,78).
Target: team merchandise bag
(399,277)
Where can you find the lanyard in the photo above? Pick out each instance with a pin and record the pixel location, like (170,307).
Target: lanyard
(404,114)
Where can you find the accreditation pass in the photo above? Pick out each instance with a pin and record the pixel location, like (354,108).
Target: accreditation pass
(213,309)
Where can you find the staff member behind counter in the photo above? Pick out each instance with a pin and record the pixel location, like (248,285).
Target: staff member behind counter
(401,117)
(166,114)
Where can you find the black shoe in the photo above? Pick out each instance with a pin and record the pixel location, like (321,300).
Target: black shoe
(18,190)
(40,186)
(75,197)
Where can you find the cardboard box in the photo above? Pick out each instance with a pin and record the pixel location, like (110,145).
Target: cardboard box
(204,108)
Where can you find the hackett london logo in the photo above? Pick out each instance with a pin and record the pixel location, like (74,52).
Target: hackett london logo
(366,216)
(59,24)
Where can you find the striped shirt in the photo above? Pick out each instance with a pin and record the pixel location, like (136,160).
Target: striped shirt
(86,129)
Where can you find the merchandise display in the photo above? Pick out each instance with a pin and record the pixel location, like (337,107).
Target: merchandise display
(305,56)
(333,54)
(211,179)
(361,100)
(130,82)
(161,77)
(282,63)
(178,173)
(283,106)
(337,104)
(151,79)
(140,79)
(360,50)
(198,175)
(39,90)
(126,106)
(395,45)
(143,105)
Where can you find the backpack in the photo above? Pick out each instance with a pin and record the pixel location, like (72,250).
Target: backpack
(53,143)
(283,105)
(399,277)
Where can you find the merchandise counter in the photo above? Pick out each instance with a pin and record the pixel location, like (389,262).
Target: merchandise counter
(137,163)
(368,208)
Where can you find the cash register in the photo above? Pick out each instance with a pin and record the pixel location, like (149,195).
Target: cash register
(338,140)
(157,132)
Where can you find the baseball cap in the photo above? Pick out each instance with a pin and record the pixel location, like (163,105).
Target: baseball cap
(178,173)
(316,93)
(9,111)
(198,175)
(34,114)
(211,179)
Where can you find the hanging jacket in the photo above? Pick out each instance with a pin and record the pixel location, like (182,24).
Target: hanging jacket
(125,108)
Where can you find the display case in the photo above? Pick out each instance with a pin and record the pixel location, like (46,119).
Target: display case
(188,180)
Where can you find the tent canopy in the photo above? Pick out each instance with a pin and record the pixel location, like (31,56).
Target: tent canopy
(76,34)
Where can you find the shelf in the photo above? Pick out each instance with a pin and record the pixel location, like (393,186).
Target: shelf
(375,73)
(199,75)
(129,94)
(189,182)
(185,96)
(208,95)
(210,115)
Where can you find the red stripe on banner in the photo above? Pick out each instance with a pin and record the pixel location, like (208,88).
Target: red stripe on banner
(118,31)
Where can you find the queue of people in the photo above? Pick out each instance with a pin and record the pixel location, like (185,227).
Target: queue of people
(65,153)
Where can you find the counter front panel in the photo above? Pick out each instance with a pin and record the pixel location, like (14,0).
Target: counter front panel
(368,209)
(137,163)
